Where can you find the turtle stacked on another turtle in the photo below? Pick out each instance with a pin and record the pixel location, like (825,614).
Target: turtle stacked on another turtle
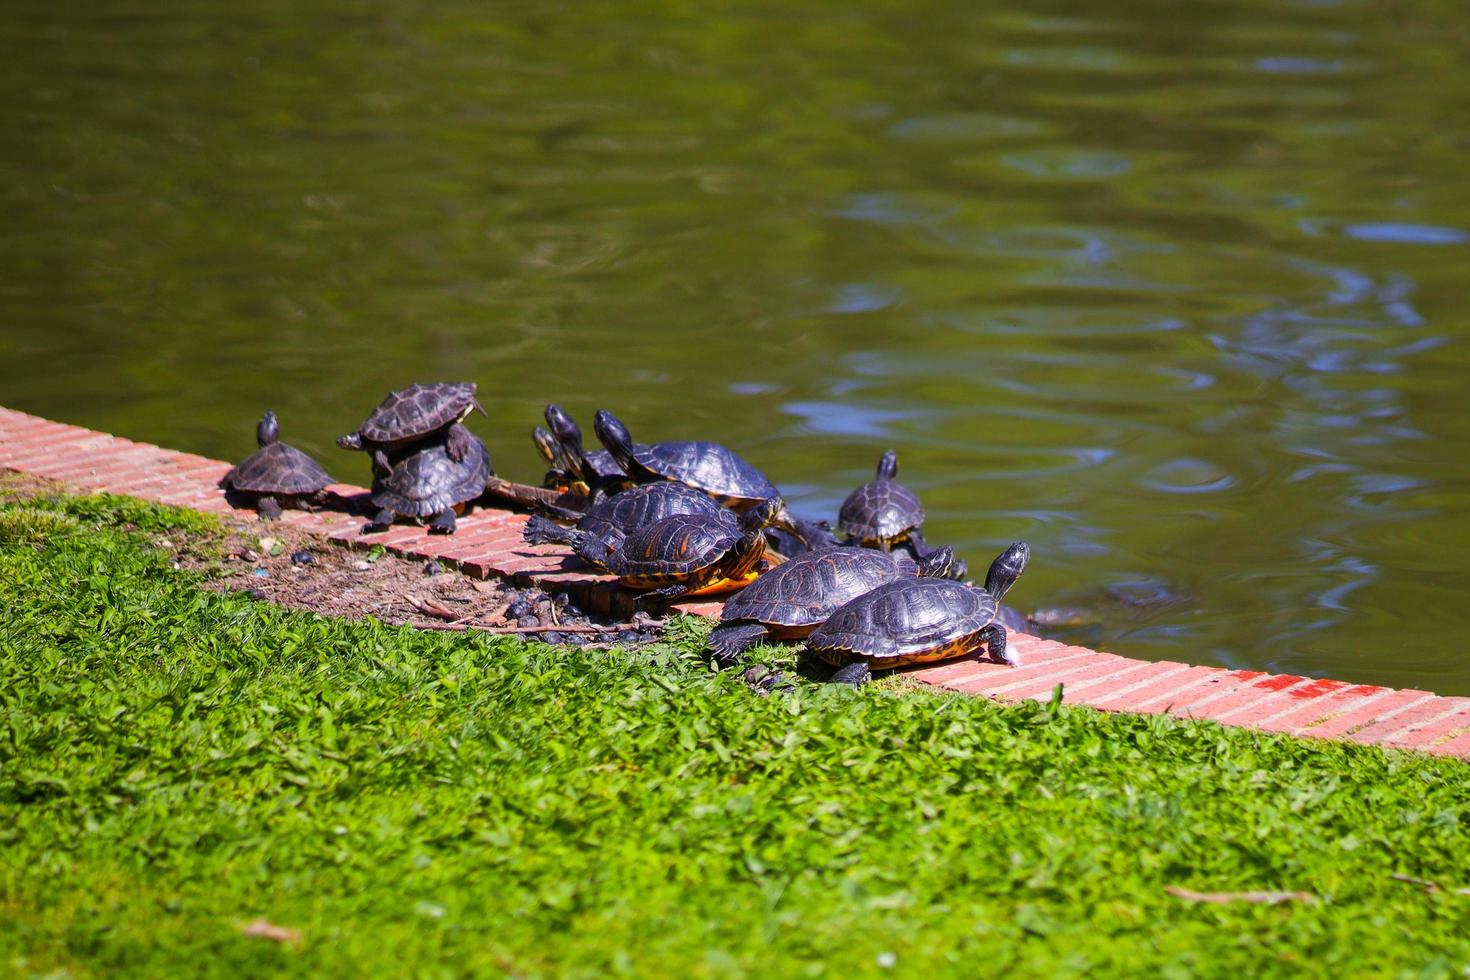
(426,465)
(276,475)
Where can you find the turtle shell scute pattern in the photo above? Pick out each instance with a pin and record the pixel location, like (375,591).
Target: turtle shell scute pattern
(675,547)
(909,621)
(414,412)
(805,590)
(880,510)
(706,466)
(426,482)
(278,469)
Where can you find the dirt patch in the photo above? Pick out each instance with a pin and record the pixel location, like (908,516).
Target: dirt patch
(301,571)
(292,568)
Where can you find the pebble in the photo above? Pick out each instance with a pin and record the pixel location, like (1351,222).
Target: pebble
(256,593)
(629,636)
(551,636)
(432,567)
(249,555)
(518,609)
(362,564)
(530,619)
(303,557)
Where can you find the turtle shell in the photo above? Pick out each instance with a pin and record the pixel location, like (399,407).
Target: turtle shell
(427,481)
(278,469)
(641,506)
(912,620)
(880,511)
(807,589)
(604,467)
(414,412)
(674,548)
(708,466)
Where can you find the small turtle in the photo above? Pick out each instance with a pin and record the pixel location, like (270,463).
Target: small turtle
(415,413)
(429,485)
(678,555)
(706,466)
(276,474)
(596,470)
(602,529)
(883,512)
(916,620)
(794,598)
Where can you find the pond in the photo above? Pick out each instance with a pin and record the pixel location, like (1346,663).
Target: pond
(1176,293)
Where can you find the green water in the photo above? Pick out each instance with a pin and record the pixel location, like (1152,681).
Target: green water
(1175,292)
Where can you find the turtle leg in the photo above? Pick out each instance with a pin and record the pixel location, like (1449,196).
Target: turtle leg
(442,522)
(457,446)
(671,592)
(994,638)
(381,466)
(269,508)
(726,641)
(383,519)
(856,674)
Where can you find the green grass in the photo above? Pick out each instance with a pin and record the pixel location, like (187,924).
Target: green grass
(175,763)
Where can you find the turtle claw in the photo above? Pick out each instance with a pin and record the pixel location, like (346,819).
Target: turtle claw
(268,508)
(442,522)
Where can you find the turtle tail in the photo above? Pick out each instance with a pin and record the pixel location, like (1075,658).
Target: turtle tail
(539,530)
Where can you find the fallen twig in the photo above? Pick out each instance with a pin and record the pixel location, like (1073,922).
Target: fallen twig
(1426,884)
(262,929)
(431,608)
(1227,898)
(459,626)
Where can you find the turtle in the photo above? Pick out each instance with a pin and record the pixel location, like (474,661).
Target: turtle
(414,413)
(276,474)
(917,620)
(883,512)
(602,529)
(794,598)
(428,484)
(677,555)
(706,466)
(596,470)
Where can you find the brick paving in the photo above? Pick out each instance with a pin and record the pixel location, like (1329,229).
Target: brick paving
(488,545)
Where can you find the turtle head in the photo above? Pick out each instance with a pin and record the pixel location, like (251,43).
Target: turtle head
(888,466)
(942,563)
(268,431)
(569,434)
(613,434)
(546,445)
(351,440)
(768,513)
(1006,568)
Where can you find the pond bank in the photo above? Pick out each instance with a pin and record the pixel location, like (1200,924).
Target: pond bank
(488,545)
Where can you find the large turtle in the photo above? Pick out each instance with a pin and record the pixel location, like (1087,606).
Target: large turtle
(276,474)
(602,529)
(675,556)
(706,466)
(794,598)
(414,413)
(917,620)
(595,470)
(429,485)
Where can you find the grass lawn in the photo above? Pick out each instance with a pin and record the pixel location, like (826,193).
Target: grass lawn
(177,763)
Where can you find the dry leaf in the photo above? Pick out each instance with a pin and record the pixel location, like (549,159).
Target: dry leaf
(1227,898)
(262,929)
(431,608)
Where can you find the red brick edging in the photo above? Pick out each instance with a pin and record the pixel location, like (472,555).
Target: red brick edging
(488,544)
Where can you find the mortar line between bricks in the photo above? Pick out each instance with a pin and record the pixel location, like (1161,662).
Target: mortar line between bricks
(1386,695)
(1198,709)
(1124,692)
(1452,708)
(34,444)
